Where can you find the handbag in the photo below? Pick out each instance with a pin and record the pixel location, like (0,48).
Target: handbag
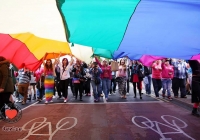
(114,66)
(140,74)
(76,80)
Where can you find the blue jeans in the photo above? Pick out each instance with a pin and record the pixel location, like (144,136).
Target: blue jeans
(148,86)
(113,85)
(96,90)
(41,92)
(106,86)
(167,85)
(19,96)
(38,93)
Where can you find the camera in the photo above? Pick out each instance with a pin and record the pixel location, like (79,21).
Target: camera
(95,65)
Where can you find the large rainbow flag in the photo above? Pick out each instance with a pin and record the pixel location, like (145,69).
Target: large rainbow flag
(134,28)
(140,29)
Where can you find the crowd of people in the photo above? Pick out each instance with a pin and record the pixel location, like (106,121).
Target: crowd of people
(170,75)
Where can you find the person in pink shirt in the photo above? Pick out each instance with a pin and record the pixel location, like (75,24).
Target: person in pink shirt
(167,75)
(38,74)
(156,77)
(106,76)
(122,75)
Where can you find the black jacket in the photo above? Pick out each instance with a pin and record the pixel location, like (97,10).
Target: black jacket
(79,74)
(147,71)
(57,74)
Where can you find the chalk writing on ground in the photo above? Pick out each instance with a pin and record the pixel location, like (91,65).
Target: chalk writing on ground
(33,126)
(171,122)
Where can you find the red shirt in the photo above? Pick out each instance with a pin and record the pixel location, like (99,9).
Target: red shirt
(167,71)
(107,73)
(156,71)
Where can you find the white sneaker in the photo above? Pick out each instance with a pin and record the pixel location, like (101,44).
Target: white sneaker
(46,102)
(54,96)
(110,94)
(65,100)
(19,101)
(51,101)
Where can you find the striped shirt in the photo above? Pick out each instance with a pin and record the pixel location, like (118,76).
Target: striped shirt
(180,69)
(24,77)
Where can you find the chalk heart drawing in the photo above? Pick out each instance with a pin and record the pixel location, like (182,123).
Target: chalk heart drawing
(171,123)
(11,113)
(34,125)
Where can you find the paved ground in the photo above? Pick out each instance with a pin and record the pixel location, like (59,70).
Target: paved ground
(183,102)
(117,119)
(110,121)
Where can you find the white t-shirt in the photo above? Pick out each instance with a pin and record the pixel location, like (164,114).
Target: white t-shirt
(33,79)
(64,73)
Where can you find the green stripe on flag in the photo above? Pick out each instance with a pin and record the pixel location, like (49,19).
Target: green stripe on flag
(103,53)
(96,23)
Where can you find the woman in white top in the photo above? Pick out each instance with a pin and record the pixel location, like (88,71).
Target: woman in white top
(65,68)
